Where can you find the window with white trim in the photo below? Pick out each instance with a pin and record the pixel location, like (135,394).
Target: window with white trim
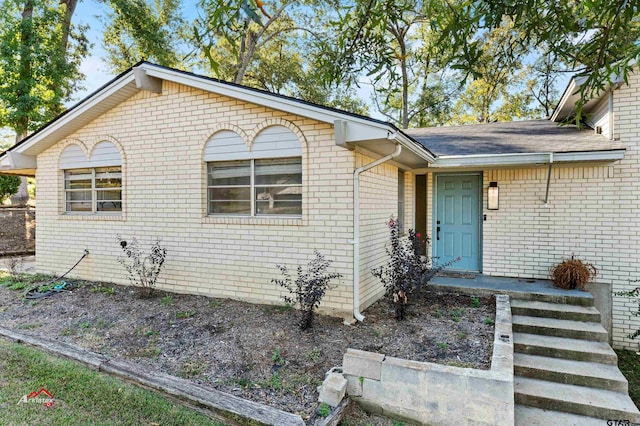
(255,187)
(92,185)
(93,190)
(264,179)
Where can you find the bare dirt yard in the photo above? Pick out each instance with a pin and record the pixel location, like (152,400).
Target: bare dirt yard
(252,351)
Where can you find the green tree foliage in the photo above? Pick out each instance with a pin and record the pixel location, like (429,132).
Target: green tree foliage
(599,38)
(271,47)
(8,186)
(492,93)
(140,29)
(40,55)
(391,42)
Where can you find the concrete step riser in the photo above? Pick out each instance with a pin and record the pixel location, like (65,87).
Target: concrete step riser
(610,359)
(572,407)
(551,298)
(557,314)
(561,332)
(571,379)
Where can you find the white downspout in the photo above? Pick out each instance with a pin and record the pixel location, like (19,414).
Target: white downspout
(356,228)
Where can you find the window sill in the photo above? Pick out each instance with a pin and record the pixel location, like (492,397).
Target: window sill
(90,216)
(254,220)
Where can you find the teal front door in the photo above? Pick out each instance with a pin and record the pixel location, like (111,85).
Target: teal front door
(457,221)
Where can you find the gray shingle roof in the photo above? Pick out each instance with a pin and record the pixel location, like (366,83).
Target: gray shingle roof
(532,136)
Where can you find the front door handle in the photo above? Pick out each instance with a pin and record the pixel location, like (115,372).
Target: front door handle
(437,233)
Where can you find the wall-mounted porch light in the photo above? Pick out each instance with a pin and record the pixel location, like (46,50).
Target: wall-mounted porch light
(493,196)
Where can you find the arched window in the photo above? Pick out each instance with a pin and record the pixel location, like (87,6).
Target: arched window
(265,180)
(92,185)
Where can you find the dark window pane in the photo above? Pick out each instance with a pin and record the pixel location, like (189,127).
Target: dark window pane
(230,207)
(224,173)
(109,206)
(279,200)
(230,194)
(280,171)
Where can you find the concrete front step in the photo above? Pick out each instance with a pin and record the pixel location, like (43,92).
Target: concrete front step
(592,374)
(581,400)
(560,328)
(583,298)
(560,347)
(534,308)
(531,416)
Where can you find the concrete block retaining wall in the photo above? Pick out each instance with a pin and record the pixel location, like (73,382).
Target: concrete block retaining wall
(437,394)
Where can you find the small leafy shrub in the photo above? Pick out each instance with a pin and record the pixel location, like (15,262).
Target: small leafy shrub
(442,345)
(309,288)
(166,301)
(9,185)
(15,267)
(185,314)
(143,270)
(475,302)
(572,273)
(407,269)
(488,321)
(324,410)
(456,314)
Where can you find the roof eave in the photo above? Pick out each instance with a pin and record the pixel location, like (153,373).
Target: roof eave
(526,159)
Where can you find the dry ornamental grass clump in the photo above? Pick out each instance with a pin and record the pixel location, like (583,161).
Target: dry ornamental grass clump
(573,273)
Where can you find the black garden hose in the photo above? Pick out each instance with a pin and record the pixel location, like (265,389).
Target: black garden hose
(33,294)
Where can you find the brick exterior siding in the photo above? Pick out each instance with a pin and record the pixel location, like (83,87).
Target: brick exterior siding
(593,213)
(161,138)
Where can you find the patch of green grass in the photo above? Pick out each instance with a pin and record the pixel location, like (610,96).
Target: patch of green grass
(276,358)
(629,364)
(185,314)
(103,288)
(215,303)
(456,314)
(81,396)
(475,302)
(28,326)
(437,313)
(462,335)
(488,321)
(314,355)
(85,324)
(190,369)
(166,301)
(443,345)
(69,331)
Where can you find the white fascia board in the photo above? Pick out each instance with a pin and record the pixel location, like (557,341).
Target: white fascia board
(568,98)
(263,99)
(497,160)
(412,146)
(75,113)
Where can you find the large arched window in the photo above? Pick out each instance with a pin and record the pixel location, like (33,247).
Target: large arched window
(93,185)
(263,180)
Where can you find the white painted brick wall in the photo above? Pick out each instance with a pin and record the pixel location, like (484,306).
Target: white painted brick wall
(164,197)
